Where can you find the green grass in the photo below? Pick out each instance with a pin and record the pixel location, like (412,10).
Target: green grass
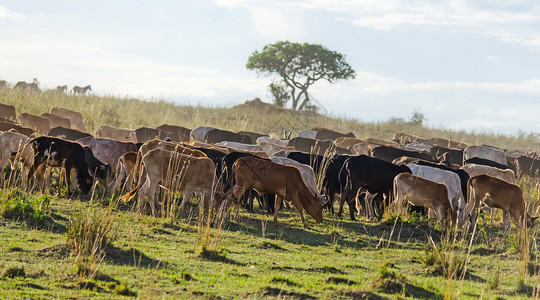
(250,257)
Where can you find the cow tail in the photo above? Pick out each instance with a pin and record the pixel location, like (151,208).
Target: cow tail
(128,196)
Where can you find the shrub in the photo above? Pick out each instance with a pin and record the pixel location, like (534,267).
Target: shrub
(12,272)
(17,204)
(89,231)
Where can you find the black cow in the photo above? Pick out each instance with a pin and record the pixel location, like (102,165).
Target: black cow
(327,134)
(390,153)
(527,166)
(95,167)
(68,133)
(217,135)
(57,152)
(316,146)
(253,135)
(454,156)
(214,155)
(485,162)
(373,174)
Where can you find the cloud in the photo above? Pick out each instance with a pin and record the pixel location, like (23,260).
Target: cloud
(6,14)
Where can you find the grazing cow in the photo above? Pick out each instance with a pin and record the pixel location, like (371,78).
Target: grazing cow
(285,182)
(8,112)
(116,133)
(485,162)
(55,121)
(77,90)
(390,153)
(373,174)
(68,133)
(175,172)
(27,86)
(125,171)
(462,174)
(10,142)
(217,135)
(253,135)
(107,150)
(423,192)
(497,193)
(487,152)
(527,166)
(308,175)
(347,142)
(37,123)
(55,152)
(5,126)
(316,146)
(145,134)
(454,156)
(240,146)
(452,181)
(175,133)
(327,134)
(75,117)
(96,168)
(199,133)
(307,133)
(474,170)
(61,88)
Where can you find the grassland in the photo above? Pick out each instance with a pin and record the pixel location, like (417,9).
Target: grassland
(192,256)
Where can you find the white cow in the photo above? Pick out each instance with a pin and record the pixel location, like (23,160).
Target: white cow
(240,146)
(271,145)
(199,133)
(450,179)
(307,133)
(307,173)
(485,152)
(474,169)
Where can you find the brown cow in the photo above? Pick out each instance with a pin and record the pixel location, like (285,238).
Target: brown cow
(267,177)
(75,117)
(8,112)
(125,171)
(37,123)
(55,121)
(5,126)
(347,142)
(497,193)
(175,172)
(10,142)
(177,133)
(116,133)
(422,192)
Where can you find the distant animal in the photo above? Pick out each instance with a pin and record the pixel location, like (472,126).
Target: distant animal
(527,166)
(116,133)
(347,142)
(3,84)
(217,135)
(497,193)
(67,133)
(10,142)
(37,123)
(74,117)
(27,86)
(77,90)
(286,182)
(316,146)
(145,134)
(453,156)
(423,192)
(240,146)
(253,135)
(61,88)
(55,121)
(327,134)
(8,112)
(390,153)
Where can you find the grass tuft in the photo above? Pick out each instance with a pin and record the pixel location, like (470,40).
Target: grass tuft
(13,271)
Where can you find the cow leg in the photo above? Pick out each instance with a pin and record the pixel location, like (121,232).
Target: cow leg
(277,206)
(185,198)
(300,210)
(507,223)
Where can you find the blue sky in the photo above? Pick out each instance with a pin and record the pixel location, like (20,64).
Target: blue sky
(465,64)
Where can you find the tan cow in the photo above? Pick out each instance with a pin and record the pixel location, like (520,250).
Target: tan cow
(267,177)
(175,172)
(116,133)
(74,117)
(10,142)
(55,121)
(37,123)
(497,193)
(8,112)
(475,169)
(422,192)
(177,133)
(347,142)
(125,171)
(5,126)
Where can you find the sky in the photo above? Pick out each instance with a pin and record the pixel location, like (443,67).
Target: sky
(464,64)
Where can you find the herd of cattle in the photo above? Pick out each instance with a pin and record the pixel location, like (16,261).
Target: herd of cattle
(316,169)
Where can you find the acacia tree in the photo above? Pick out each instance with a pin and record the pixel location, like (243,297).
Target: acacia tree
(299,66)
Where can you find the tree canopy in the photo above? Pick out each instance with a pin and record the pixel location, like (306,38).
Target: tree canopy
(299,66)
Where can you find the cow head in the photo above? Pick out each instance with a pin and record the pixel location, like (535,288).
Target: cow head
(314,208)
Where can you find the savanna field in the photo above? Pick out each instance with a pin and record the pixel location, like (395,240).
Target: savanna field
(95,246)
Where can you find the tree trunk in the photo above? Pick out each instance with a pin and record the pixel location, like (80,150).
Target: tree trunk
(306,99)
